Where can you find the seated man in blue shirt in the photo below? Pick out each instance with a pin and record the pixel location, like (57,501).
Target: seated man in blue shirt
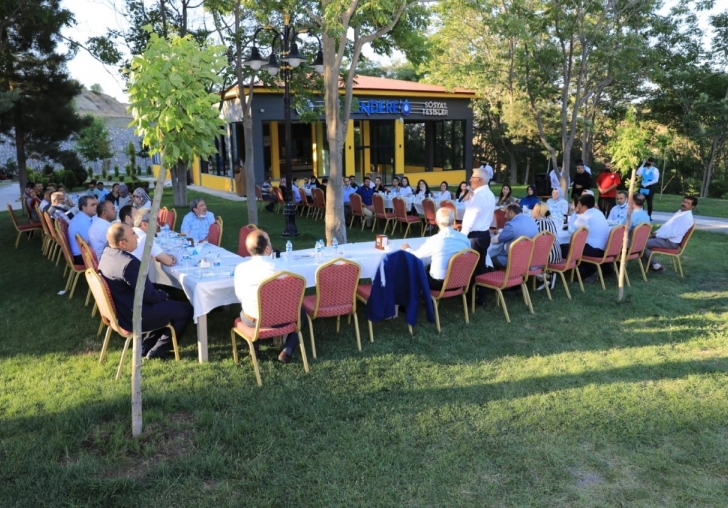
(618,214)
(366,192)
(346,191)
(80,224)
(639,216)
(440,248)
(196,224)
(517,224)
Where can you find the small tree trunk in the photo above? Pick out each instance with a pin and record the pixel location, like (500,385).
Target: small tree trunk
(179,182)
(528,170)
(20,155)
(514,167)
(623,257)
(250,167)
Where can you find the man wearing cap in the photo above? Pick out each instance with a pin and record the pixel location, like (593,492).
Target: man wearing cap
(650,176)
(479,209)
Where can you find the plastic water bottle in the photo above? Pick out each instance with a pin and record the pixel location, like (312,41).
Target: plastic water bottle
(335,245)
(217,263)
(289,250)
(319,251)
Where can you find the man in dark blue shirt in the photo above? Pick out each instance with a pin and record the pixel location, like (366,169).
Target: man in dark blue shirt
(366,192)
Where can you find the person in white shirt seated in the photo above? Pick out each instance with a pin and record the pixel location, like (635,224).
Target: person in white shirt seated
(248,276)
(618,214)
(671,234)
(396,189)
(558,206)
(141,224)
(445,192)
(440,248)
(639,216)
(197,222)
(596,241)
(406,190)
(105,215)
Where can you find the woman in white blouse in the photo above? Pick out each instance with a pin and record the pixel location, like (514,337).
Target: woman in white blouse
(405,189)
(444,192)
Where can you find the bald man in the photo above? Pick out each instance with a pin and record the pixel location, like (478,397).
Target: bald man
(248,276)
(120,269)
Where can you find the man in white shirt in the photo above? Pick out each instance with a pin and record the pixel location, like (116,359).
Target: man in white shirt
(440,248)
(477,219)
(671,233)
(105,215)
(141,224)
(618,214)
(488,169)
(248,276)
(596,241)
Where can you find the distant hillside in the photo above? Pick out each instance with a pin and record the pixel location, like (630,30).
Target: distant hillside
(103,106)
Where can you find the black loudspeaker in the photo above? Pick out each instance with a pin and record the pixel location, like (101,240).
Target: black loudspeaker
(543,184)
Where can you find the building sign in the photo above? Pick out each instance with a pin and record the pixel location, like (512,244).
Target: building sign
(401,107)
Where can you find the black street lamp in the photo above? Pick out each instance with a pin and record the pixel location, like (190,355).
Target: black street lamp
(290,58)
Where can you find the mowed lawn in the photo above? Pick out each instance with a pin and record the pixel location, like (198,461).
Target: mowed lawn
(588,402)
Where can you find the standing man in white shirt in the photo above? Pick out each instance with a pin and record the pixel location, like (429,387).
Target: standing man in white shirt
(650,178)
(596,241)
(671,233)
(440,248)
(105,215)
(488,169)
(479,209)
(248,276)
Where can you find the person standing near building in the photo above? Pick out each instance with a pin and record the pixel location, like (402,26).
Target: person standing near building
(607,183)
(650,177)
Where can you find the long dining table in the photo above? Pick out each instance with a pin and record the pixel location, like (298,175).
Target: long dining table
(211,287)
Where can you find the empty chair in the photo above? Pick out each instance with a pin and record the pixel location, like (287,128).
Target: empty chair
(213,234)
(640,235)
(400,213)
(428,207)
(242,236)
(356,210)
(576,250)
(162,217)
(171,218)
(305,204)
(542,244)
(28,229)
(381,213)
(319,202)
(280,199)
(460,270)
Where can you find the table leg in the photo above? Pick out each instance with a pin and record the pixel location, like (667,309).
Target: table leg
(202,338)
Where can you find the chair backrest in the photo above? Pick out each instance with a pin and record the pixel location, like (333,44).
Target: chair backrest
(542,244)
(220,222)
(43,223)
(258,193)
(304,197)
(162,216)
(428,206)
(104,302)
(400,208)
(616,240)
(446,203)
(355,201)
(279,194)
(62,239)
(519,258)
(171,218)
(378,203)
(12,216)
(336,283)
(500,218)
(213,234)
(686,238)
(242,237)
(87,253)
(460,270)
(576,247)
(640,235)
(319,199)
(279,300)
(46,217)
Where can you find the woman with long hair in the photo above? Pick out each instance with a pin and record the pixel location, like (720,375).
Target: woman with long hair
(423,190)
(462,191)
(541,215)
(444,191)
(506,196)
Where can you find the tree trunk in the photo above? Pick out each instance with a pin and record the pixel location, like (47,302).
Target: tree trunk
(623,257)
(179,182)
(136,357)
(514,167)
(528,170)
(20,155)
(250,168)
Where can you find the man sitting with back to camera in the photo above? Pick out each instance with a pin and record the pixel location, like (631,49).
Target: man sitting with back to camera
(440,248)
(517,224)
(120,269)
(598,235)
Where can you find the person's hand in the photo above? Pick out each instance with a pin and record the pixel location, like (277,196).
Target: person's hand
(405,246)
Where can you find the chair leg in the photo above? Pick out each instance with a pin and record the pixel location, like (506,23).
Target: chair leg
(408,228)
(17,239)
(105,345)
(69,281)
(88,299)
(310,332)
(374,223)
(123,355)
(503,301)
(547,284)
(93,311)
(642,269)
(254,357)
(679,264)
(101,327)
(527,295)
(601,277)
(578,276)
(174,343)
(235,346)
(76,276)
(409,329)
(371,331)
(356,331)
(465,308)
(303,351)
(566,285)
(437,314)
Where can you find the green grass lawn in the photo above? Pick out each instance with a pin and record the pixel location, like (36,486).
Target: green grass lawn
(587,403)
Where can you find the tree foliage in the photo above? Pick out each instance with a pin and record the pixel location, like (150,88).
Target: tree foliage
(93,142)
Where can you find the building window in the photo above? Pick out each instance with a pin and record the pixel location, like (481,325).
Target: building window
(414,145)
(450,144)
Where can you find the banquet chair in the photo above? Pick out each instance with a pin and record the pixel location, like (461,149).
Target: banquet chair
(89,261)
(515,274)
(74,270)
(356,210)
(500,218)
(305,204)
(46,234)
(319,202)
(102,295)
(259,197)
(460,270)
(446,203)
(428,207)
(242,237)
(336,283)
(279,310)
(400,213)
(162,217)
(28,229)
(675,254)
(381,213)
(54,249)
(213,234)
(280,199)
(611,252)
(576,250)
(637,244)
(171,218)
(542,244)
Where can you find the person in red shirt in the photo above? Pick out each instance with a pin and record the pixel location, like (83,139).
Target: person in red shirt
(607,183)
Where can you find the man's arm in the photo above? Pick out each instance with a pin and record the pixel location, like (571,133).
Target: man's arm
(507,234)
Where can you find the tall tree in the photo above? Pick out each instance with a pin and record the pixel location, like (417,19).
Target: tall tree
(93,142)
(175,115)
(42,114)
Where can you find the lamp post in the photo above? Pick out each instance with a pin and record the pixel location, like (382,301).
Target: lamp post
(290,58)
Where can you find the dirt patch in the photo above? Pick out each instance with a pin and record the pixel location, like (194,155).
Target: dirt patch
(586,478)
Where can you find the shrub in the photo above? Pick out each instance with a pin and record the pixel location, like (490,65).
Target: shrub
(116,171)
(69,179)
(11,167)
(48,169)
(90,170)
(718,189)
(121,179)
(149,170)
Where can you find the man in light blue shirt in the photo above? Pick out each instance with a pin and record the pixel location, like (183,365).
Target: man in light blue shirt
(639,216)
(618,214)
(196,224)
(517,224)
(80,224)
(440,248)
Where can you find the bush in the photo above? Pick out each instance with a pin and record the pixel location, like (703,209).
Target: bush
(149,170)
(69,179)
(90,171)
(121,179)
(103,173)
(58,176)
(70,161)
(718,189)
(48,169)
(11,167)
(45,181)
(116,171)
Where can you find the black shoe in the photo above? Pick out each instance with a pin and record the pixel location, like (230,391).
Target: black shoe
(284,357)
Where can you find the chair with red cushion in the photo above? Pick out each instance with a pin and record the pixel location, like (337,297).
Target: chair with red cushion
(162,217)
(542,244)
(336,283)
(280,198)
(319,202)
(675,254)
(500,218)
(242,237)
(104,302)
(74,270)
(47,238)
(449,204)
(400,213)
(576,250)
(428,207)
(381,213)
(356,210)
(89,261)
(611,252)
(515,274)
(54,249)
(640,235)
(305,204)
(28,229)
(259,197)
(171,218)
(213,234)
(279,310)
(460,270)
